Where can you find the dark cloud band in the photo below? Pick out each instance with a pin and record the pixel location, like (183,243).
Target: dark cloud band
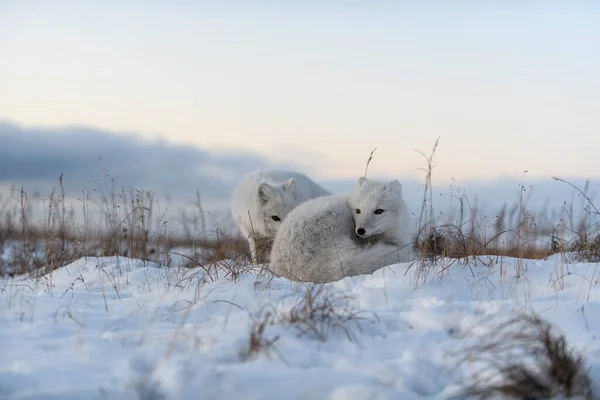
(38,155)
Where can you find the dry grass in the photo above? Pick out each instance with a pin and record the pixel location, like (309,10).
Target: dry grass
(525,358)
(132,228)
(129,225)
(322,311)
(132,224)
(449,241)
(514,231)
(257,342)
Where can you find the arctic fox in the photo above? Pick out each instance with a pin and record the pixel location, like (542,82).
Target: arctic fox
(329,238)
(262,199)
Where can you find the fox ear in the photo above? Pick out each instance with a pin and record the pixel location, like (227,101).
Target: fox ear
(265,192)
(290,185)
(395,186)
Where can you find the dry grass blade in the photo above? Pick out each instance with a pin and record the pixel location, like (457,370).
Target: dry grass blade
(581,192)
(257,342)
(369,161)
(428,189)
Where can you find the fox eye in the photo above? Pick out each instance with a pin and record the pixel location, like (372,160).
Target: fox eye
(357,211)
(378,211)
(275,218)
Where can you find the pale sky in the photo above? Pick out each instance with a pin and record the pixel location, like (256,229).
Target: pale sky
(507,87)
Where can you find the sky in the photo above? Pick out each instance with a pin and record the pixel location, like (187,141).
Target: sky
(95,163)
(507,87)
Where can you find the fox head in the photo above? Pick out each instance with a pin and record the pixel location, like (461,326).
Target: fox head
(377,208)
(274,203)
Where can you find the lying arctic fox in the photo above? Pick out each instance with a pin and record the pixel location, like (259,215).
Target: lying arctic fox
(262,199)
(329,238)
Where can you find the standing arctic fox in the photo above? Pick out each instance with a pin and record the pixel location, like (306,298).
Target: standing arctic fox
(262,199)
(329,238)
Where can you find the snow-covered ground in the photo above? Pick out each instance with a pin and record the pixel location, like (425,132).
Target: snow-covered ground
(117,328)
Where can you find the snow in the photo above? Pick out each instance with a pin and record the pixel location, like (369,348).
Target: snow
(118,328)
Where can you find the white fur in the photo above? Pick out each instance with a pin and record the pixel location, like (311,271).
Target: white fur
(392,224)
(259,196)
(317,242)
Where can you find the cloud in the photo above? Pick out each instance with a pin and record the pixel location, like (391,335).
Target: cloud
(36,156)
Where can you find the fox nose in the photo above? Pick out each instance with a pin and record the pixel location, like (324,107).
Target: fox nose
(360,231)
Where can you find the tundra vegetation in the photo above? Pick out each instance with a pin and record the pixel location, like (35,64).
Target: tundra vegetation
(526,356)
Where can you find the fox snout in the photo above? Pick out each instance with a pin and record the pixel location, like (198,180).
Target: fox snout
(360,232)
